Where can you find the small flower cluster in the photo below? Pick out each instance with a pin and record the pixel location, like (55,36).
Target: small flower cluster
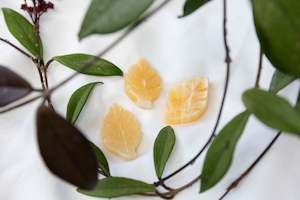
(37,8)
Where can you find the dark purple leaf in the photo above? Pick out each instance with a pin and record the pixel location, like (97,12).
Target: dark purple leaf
(12,86)
(66,152)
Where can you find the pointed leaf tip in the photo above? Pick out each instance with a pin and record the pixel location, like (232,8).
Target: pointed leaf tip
(274,111)
(191,6)
(105,16)
(12,86)
(78,101)
(102,161)
(280,80)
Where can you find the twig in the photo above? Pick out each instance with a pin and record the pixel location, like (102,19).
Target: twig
(48,63)
(35,16)
(227,78)
(165,195)
(17,48)
(172,193)
(167,187)
(112,45)
(20,104)
(259,68)
(191,183)
(237,181)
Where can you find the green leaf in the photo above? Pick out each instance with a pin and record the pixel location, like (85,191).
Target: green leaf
(78,101)
(220,153)
(112,187)
(23,31)
(278,28)
(272,110)
(100,67)
(280,80)
(102,161)
(163,147)
(106,16)
(191,6)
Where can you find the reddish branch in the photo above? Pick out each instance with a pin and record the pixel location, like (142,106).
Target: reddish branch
(35,10)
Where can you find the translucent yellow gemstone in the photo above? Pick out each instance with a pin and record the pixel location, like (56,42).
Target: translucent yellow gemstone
(121,133)
(143,84)
(187,101)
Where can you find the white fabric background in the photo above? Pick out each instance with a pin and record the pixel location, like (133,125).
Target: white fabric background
(179,49)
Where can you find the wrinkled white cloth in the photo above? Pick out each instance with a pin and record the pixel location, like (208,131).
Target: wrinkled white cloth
(179,49)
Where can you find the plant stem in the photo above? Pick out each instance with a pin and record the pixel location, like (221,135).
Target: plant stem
(39,62)
(227,78)
(259,68)
(17,48)
(20,104)
(195,180)
(48,63)
(172,193)
(237,181)
(112,45)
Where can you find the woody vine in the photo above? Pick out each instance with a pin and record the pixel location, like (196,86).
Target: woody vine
(70,156)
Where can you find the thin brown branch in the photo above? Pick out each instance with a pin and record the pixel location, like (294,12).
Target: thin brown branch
(39,62)
(17,48)
(259,68)
(237,181)
(113,44)
(191,183)
(227,78)
(167,187)
(225,33)
(48,63)
(165,195)
(20,104)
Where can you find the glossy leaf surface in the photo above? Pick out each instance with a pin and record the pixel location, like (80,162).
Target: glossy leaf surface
(113,187)
(65,151)
(90,65)
(163,147)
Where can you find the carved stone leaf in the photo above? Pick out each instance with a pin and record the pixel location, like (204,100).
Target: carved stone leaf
(66,152)
(12,86)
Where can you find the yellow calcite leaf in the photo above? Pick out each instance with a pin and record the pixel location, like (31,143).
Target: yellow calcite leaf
(121,133)
(187,101)
(143,84)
